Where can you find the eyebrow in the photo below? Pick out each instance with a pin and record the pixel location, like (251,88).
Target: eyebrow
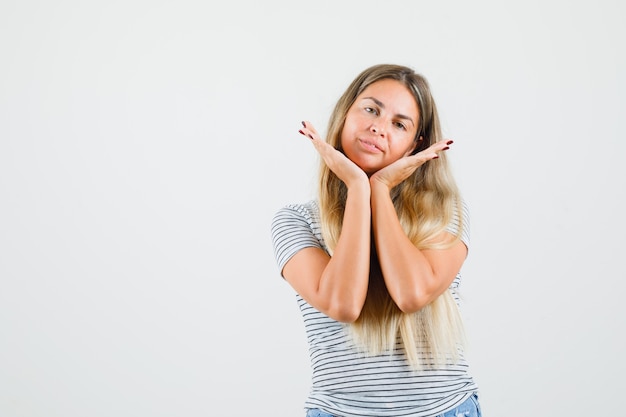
(382,106)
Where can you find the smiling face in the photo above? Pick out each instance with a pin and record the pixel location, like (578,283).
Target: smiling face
(380,126)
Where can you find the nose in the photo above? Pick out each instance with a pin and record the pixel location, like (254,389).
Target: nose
(377,130)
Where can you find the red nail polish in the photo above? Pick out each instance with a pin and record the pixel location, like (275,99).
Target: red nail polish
(450,142)
(301,132)
(446,148)
(303,124)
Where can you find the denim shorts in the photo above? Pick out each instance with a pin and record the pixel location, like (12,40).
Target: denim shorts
(469,408)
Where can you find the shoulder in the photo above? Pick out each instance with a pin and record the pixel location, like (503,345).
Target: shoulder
(464,222)
(307,212)
(297,218)
(460,222)
(294,227)
(465,213)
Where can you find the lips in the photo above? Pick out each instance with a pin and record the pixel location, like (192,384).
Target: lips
(371,145)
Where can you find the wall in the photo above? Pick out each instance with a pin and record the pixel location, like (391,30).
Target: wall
(144,147)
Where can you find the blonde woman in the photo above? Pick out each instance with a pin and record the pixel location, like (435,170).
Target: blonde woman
(375,258)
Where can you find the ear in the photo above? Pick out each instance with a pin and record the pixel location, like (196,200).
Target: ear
(413,147)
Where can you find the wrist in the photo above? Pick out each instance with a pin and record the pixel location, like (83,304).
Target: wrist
(379,186)
(359,188)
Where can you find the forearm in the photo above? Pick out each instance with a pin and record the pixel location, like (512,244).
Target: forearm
(408,275)
(345,279)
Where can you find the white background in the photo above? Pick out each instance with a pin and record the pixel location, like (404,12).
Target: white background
(145,146)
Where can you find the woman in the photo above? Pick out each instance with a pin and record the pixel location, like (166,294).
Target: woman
(375,259)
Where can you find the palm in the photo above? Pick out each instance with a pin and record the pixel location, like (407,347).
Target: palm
(396,172)
(346,170)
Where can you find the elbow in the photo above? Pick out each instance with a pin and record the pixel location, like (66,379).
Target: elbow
(345,312)
(414,294)
(346,316)
(413,301)
(410,306)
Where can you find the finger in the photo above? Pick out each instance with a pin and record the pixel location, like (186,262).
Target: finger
(308,130)
(424,156)
(305,132)
(441,145)
(319,144)
(433,150)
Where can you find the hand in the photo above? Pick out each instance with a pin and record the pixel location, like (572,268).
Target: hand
(346,170)
(396,172)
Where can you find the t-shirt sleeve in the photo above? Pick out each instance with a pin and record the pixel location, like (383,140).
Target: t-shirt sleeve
(292,230)
(461,219)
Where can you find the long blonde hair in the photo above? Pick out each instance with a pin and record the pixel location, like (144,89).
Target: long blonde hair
(426,203)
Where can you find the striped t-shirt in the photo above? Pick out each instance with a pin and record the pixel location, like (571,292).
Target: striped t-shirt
(346,383)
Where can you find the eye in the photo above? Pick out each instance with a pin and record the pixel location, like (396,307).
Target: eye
(400,125)
(371,110)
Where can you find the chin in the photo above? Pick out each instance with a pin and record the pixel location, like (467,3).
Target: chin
(369,170)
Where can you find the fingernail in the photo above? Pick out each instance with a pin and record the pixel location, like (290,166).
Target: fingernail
(446,148)
(311,136)
(450,142)
(303,124)
(301,132)
(436,156)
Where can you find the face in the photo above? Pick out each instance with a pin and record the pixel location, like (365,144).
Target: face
(380,126)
